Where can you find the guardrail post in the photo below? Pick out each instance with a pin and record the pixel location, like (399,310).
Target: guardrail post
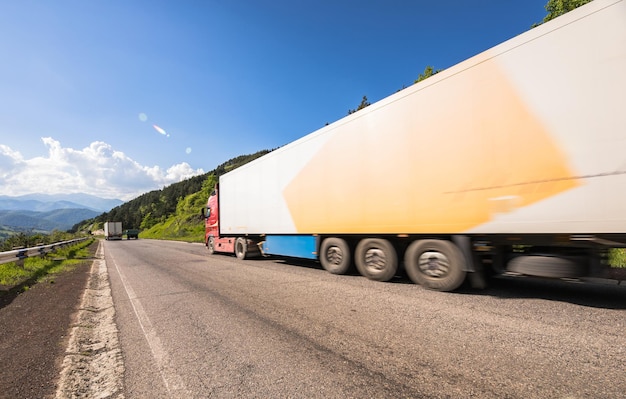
(21,256)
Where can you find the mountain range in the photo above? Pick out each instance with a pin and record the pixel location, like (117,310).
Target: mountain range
(58,219)
(44,212)
(50,202)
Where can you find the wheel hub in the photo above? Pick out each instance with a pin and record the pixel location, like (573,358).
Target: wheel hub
(434,264)
(334,255)
(375,259)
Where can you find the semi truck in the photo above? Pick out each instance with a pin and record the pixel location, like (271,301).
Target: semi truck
(113,230)
(512,161)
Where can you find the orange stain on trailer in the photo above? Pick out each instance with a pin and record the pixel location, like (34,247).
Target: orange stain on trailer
(433,162)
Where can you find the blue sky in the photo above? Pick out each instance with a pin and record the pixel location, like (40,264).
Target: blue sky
(83,82)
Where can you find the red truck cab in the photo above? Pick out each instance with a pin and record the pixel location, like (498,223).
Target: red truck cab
(242,247)
(212,238)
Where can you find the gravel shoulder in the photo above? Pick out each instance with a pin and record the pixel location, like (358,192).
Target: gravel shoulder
(93,365)
(34,327)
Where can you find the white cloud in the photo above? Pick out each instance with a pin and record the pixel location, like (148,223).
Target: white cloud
(10,161)
(98,170)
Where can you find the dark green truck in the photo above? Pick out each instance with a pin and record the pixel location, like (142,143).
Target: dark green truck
(131,233)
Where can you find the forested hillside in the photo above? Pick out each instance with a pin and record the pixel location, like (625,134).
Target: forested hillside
(172,212)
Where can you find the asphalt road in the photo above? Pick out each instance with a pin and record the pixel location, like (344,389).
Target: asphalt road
(193,325)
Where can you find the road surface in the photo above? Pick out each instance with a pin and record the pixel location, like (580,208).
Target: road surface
(192,325)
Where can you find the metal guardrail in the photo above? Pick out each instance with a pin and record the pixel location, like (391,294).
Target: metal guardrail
(21,254)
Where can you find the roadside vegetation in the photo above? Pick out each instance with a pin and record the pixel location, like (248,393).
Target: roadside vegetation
(37,269)
(617,258)
(185,224)
(24,240)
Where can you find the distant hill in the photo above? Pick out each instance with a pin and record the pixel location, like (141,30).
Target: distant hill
(58,219)
(47,202)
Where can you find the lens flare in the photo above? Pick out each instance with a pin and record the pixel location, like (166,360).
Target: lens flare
(160,130)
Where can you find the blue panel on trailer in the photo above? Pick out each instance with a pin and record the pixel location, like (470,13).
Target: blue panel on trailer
(304,246)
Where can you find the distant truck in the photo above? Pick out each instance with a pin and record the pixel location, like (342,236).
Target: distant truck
(513,161)
(113,230)
(131,233)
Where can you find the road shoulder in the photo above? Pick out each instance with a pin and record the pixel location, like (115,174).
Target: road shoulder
(93,364)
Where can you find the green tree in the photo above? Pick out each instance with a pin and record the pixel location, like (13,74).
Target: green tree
(557,8)
(428,72)
(364,103)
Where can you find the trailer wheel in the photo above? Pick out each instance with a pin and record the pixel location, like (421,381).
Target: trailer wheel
(335,255)
(210,245)
(376,259)
(436,264)
(241,248)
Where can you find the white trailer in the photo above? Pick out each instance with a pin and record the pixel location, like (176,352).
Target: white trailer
(514,158)
(113,230)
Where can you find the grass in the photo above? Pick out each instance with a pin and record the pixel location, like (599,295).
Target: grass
(617,257)
(178,228)
(37,269)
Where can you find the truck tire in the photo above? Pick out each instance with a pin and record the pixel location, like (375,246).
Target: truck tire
(376,259)
(435,264)
(241,248)
(210,245)
(335,255)
(548,266)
